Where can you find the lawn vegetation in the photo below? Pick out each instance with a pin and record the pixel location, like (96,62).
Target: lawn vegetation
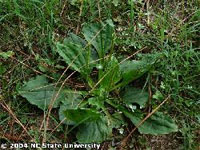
(125,74)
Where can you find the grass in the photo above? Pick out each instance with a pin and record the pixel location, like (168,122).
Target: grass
(30,29)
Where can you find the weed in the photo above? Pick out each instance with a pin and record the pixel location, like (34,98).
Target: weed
(103,80)
(90,113)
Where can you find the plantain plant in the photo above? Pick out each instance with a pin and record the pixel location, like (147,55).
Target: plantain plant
(96,111)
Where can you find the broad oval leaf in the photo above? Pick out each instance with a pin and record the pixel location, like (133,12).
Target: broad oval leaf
(96,131)
(134,95)
(157,124)
(40,93)
(73,54)
(79,41)
(75,39)
(132,70)
(71,101)
(100,36)
(81,115)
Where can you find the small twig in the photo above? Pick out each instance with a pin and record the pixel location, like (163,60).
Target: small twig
(11,70)
(6,107)
(150,98)
(57,126)
(32,68)
(99,9)
(63,8)
(79,20)
(148,18)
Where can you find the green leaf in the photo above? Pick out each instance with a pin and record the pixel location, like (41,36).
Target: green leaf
(71,101)
(157,124)
(39,92)
(97,102)
(94,132)
(158,95)
(2,68)
(7,54)
(81,115)
(115,2)
(79,41)
(73,2)
(75,39)
(111,74)
(100,36)
(74,55)
(133,95)
(132,70)
(117,120)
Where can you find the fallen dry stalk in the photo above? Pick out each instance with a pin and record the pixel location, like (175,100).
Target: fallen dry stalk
(124,141)
(8,109)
